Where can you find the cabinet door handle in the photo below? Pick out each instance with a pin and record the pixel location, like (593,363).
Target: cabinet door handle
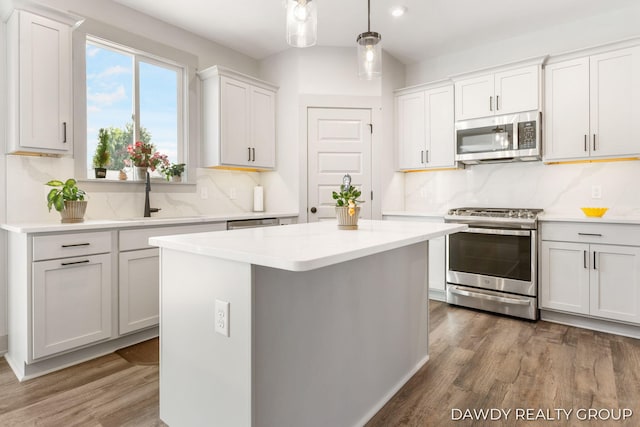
(85,261)
(590,234)
(64,132)
(584,259)
(594,142)
(594,260)
(421,156)
(254,153)
(426,156)
(75,245)
(491,103)
(497,102)
(249,159)
(586,147)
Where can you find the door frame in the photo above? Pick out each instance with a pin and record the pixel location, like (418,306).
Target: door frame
(372,103)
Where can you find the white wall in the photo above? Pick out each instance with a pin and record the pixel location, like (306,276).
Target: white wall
(3,188)
(27,175)
(612,26)
(326,76)
(555,188)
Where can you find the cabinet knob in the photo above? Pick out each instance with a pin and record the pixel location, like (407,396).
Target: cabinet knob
(313,209)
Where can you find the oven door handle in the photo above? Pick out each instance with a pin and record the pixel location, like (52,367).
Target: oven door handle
(507,300)
(501,232)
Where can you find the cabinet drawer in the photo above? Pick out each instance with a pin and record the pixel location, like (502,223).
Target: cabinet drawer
(617,234)
(70,245)
(139,238)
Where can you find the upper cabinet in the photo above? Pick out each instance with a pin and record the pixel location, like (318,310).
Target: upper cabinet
(425,128)
(503,92)
(238,116)
(39,84)
(592,106)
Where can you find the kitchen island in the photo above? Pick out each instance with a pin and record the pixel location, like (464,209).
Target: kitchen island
(323,325)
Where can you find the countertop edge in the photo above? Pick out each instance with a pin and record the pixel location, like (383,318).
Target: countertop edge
(631,220)
(95,224)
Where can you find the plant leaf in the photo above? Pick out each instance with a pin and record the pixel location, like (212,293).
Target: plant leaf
(54,183)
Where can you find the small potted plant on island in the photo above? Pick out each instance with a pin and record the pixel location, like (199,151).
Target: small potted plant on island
(347,209)
(173,172)
(67,199)
(102,155)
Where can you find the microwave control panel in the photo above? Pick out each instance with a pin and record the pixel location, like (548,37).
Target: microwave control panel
(527,135)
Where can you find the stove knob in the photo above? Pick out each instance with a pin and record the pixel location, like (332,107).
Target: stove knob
(531,215)
(523,214)
(513,214)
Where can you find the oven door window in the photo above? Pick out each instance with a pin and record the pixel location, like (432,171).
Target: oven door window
(485,139)
(491,255)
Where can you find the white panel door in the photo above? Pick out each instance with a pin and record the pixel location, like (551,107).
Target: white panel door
(45,83)
(338,142)
(71,303)
(564,281)
(263,127)
(517,90)
(139,290)
(410,130)
(615,282)
(566,118)
(615,103)
(440,129)
(235,148)
(474,97)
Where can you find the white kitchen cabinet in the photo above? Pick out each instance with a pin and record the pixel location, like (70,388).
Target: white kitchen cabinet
(425,128)
(503,92)
(592,106)
(71,303)
(591,269)
(39,89)
(238,120)
(138,274)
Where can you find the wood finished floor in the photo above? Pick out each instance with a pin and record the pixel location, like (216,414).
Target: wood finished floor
(478,360)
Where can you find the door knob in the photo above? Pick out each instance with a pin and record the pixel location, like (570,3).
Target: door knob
(314,210)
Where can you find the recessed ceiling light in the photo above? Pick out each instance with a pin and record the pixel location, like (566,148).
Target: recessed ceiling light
(398,11)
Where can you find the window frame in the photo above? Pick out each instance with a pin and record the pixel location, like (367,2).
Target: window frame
(183,64)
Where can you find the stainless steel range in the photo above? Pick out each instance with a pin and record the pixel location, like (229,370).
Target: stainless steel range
(492,265)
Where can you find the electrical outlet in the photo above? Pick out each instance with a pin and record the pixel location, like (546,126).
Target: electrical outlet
(204,193)
(596,191)
(232,193)
(222,317)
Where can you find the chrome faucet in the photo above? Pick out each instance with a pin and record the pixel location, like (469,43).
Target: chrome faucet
(147,188)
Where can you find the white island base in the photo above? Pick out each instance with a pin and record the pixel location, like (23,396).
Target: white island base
(326,346)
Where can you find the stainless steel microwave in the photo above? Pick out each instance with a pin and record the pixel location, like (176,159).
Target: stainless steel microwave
(511,137)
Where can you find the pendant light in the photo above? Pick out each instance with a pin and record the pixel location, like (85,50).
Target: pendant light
(302,23)
(369,51)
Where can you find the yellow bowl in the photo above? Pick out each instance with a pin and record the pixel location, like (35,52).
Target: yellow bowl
(594,212)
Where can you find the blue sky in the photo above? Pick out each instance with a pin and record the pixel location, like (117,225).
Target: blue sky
(110,98)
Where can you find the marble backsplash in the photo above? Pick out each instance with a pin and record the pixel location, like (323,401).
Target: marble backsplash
(215,192)
(562,188)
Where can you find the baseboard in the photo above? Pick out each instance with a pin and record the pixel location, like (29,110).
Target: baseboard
(437,295)
(600,325)
(65,360)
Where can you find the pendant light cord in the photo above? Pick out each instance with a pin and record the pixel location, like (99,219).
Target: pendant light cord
(368,16)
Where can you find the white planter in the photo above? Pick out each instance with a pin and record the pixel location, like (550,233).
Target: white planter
(73,211)
(346,221)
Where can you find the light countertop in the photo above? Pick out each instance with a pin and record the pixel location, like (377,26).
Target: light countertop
(303,247)
(94,224)
(579,217)
(438,215)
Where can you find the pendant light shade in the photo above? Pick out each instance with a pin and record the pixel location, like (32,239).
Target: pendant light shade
(302,23)
(369,51)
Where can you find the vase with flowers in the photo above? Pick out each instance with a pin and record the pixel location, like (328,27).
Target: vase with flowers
(143,156)
(347,209)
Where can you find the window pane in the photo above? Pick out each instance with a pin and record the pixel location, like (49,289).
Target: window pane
(109,103)
(159,107)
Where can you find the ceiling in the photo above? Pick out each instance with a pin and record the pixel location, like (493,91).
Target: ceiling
(429,28)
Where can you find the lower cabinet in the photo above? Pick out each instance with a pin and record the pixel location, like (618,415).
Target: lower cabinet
(596,279)
(138,290)
(71,303)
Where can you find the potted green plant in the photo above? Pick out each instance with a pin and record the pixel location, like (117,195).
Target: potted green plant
(347,209)
(173,171)
(67,199)
(102,155)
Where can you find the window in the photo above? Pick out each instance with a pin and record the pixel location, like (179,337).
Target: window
(132,96)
